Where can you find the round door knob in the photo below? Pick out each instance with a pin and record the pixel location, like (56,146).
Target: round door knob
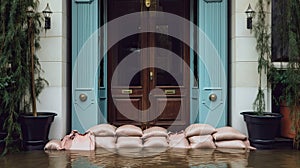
(83,97)
(212,97)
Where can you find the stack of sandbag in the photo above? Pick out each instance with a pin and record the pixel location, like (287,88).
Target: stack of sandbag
(178,140)
(200,136)
(104,135)
(155,137)
(73,141)
(228,137)
(129,136)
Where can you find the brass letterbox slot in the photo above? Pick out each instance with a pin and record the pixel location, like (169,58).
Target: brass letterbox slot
(169,92)
(127,91)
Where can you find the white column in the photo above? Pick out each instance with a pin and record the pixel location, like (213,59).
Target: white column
(54,60)
(244,76)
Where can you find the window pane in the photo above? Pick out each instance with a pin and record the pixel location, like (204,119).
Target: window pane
(280,35)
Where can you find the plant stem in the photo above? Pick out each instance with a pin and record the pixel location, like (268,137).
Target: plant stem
(33,94)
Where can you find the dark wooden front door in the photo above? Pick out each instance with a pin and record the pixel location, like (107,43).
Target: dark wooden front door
(148,76)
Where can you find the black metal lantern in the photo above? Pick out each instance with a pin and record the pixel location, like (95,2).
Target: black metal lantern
(47,12)
(250,13)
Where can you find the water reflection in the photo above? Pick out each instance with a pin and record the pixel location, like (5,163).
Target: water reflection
(154,157)
(159,157)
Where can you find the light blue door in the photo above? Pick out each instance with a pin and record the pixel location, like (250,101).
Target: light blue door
(85,61)
(213,60)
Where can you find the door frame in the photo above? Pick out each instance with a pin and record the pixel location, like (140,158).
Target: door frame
(89,15)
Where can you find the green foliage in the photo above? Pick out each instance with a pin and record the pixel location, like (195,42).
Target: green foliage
(15,49)
(291,91)
(289,77)
(263,47)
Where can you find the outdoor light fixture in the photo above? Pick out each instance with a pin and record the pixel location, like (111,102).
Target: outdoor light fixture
(250,13)
(47,12)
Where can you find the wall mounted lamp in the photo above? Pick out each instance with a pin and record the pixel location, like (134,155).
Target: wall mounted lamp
(47,12)
(250,14)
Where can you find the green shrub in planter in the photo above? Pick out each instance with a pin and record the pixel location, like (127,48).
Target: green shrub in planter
(20,27)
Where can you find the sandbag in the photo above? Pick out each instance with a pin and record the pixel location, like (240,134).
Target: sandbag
(248,146)
(228,133)
(53,144)
(202,141)
(154,142)
(78,141)
(129,142)
(199,129)
(178,140)
(155,132)
(155,129)
(105,142)
(129,130)
(103,130)
(234,144)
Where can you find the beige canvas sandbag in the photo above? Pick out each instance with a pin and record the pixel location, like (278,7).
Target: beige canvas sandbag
(154,142)
(178,140)
(199,129)
(248,146)
(155,134)
(53,144)
(129,142)
(105,142)
(202,141)
(234,144)
(78,141)
(103,130)
(129,130)
(155,131)
(228,133)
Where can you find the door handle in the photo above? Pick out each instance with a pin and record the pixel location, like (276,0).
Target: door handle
(213,97)
(83,97)
(148,3)
(151,76)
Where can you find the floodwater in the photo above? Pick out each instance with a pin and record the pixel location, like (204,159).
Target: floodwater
(165,158)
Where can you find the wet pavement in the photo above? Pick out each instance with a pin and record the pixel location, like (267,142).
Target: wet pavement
(154,157)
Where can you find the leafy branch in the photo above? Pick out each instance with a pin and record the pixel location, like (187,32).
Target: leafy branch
(262,34)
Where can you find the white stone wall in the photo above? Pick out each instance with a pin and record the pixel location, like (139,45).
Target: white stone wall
(54,59)
(244,76)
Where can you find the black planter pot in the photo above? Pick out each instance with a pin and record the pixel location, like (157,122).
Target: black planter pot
(262,130)
(35,130)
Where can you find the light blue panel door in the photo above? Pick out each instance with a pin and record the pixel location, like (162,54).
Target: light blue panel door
(85,61)
(213,62)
